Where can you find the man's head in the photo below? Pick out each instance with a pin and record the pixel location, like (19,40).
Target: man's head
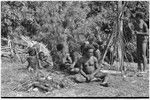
(32,51)
(139,15)
(89,49)
(96,46)
(86,42)
(59,47)
(41,55)
(91,39)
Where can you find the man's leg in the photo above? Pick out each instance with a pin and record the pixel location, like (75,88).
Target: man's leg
(104,77)
(139,53)
(80,78)
(74,70)
(144,46)
(139,69)
(62,67)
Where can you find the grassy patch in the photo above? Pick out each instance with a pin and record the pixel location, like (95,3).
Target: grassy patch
(15,80)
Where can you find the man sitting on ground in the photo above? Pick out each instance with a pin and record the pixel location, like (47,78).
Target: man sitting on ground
(74,68)
(89,69)
(64,59)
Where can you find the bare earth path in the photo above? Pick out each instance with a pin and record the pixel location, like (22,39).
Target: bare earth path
(132,87)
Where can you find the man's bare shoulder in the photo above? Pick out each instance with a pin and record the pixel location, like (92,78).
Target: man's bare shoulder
(94,58)
(97,51)
(81,59)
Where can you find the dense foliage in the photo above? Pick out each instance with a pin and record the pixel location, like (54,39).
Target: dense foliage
(46,21)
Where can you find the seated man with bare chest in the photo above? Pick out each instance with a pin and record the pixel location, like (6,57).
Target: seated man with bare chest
(89,69)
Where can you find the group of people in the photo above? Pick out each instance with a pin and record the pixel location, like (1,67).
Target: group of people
(37,60)
(86,66)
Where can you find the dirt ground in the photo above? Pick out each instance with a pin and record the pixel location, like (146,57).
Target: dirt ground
(133,86)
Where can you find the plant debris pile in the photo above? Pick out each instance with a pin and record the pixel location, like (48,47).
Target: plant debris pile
(53,81)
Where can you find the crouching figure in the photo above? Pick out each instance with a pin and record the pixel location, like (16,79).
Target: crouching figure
(44,61)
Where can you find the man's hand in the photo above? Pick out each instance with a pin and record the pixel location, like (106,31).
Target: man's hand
(89,77)
(30,69)
(71,66)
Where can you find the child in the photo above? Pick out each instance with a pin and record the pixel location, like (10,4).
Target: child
(32,60)
(43,61)
(89,69)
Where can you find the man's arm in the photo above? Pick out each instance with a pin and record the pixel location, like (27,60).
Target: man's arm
(98,55)
(147,31)
(50,60)
(131,27)
(26,59)
(144,33)
(81,71)
(96,66)
(45,58)
(69,59)
(141,33)
(73,64)
(76,57)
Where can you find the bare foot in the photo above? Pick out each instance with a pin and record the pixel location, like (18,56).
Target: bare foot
(104,84)
(139,75)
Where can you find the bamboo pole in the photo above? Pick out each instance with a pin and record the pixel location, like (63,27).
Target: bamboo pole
(120,37)
(107,47)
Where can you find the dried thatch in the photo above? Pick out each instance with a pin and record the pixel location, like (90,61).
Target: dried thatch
(39,46)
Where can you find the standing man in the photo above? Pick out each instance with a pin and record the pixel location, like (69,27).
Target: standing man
(141,31)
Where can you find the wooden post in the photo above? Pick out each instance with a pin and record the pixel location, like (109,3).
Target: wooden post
(120,37)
